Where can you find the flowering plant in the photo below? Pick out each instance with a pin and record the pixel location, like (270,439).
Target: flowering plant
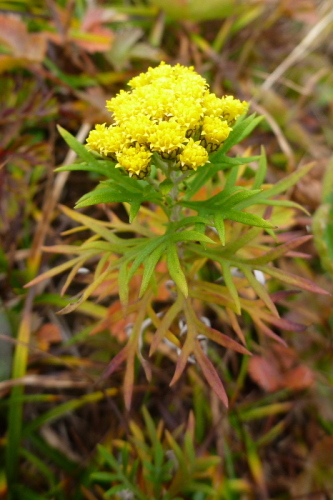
(199,228)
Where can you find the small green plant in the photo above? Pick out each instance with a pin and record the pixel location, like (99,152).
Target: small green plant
(202,224)
(156,468)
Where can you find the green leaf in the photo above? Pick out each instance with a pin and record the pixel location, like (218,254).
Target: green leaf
(241,130)
(166,186)
(116,489)
(244,194)
(190,236)
(278,188)
(220,228)
(262,170)
(246,218)
(144,252)
(187,221)
(135,207)
(108,195)
(76,146)
(206,173)
(231,178)
(175,269)
(100,168)
(150,265)
(229,282)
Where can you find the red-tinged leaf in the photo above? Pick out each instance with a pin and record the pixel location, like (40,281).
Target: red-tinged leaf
(116,362)
(275,253)
(299,378)
(210,373)
(145,365)
(292,279)
(221,339)
(264,373)
(182,361)
(25,46)
(129,379)
(283,294)
(267,331)
(259,289)
(282,323)
(235,325)
(280,369)
(53,272)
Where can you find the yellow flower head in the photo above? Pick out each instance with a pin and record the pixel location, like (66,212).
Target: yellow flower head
(233,108)
(164,108)
(138,128)
(192,156)
(166,138)
(214,132)
(107,140)
(135,160)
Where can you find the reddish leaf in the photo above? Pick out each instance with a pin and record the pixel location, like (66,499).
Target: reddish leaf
(279,369)
(116,361)
(182,361)
(25,46)
(282,323)
(264,373)
(283,294)
(293,280)
(221,339)
(267,331)
(281,250)
(129,379)
(210,373)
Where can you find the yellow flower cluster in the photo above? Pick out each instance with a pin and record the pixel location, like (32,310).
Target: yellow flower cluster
(169,110)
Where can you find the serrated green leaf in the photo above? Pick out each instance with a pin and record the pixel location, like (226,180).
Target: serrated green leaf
(108,195)
(282,203)
(190,236)
(100,168)
(144,252)
(236,198)
(278,188)
(76,146)
(204,174)
(246,218)
(150,265)
(175,269)
(135,207)
(220,228)
(188,221)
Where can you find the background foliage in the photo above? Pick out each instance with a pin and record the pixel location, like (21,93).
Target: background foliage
(59,62)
